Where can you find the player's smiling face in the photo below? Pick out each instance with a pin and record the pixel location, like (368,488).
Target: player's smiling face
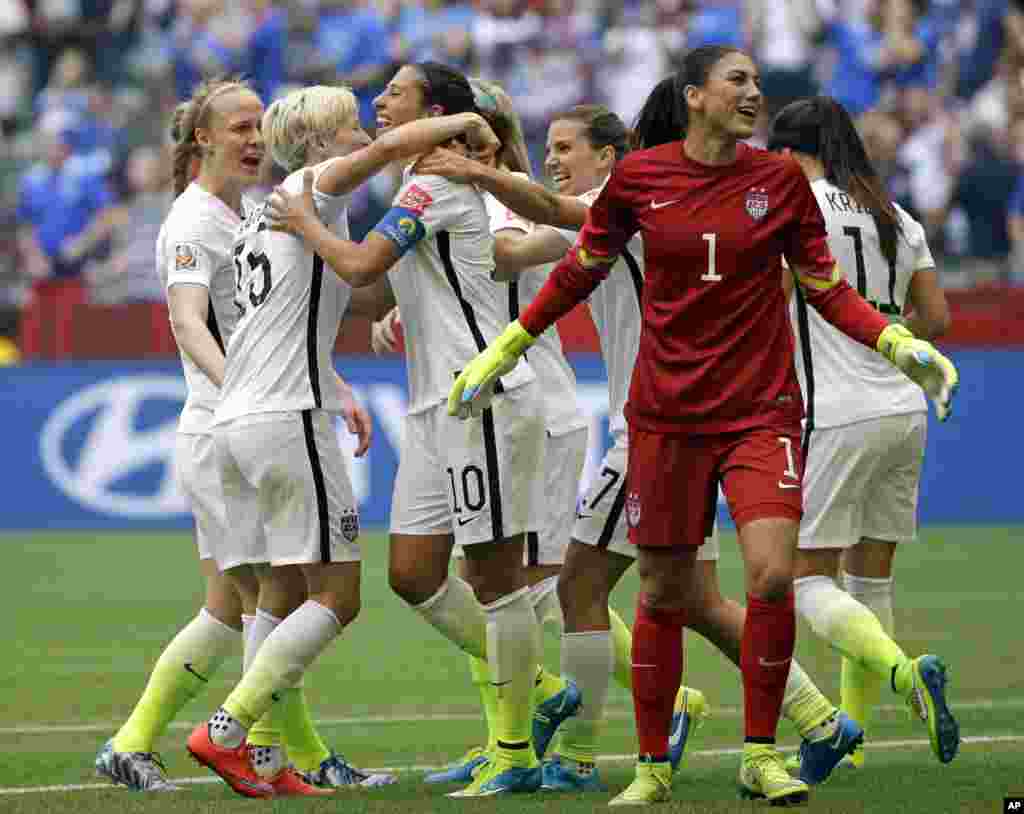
(233,142)
(401,101)
(572,164)
(731,97)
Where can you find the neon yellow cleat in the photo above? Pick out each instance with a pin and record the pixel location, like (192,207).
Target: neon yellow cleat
(763,775)
(652,784)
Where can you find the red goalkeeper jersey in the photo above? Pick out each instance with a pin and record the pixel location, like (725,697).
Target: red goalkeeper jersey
(716,351)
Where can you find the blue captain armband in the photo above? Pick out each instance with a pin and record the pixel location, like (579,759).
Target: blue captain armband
(402,227)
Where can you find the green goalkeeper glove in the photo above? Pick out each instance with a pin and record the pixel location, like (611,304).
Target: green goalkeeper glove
(474,388)
(923,364)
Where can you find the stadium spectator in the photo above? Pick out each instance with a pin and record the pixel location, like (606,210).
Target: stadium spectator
(127,275)
(782,35)
(199,49)
(983,192)
(63,221)
(351,37)
(262,59)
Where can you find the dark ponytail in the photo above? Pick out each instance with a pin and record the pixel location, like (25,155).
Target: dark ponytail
(664,116)
(821,127)
(446,87)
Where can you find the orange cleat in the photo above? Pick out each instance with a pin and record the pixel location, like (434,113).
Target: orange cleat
(231,764)
(289,783)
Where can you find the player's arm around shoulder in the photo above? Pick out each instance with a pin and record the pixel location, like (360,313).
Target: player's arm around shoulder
(358,264)
(515,251)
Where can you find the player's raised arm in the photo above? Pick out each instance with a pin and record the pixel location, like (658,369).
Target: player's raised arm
(400,143)
(533,201)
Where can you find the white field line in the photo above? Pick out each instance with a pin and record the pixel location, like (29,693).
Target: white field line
(614,713)
(711,753)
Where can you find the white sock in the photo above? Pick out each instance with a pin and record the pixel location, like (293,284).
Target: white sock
(513,651)
(544,597)
(454,611)
(824,605)
(876,594)
(588,659)
(284,657)
(262,625)
(247,620)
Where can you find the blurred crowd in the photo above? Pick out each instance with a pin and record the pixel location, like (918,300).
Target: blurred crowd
(86,87)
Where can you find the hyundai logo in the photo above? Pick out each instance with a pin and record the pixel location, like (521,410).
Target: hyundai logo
(103,448)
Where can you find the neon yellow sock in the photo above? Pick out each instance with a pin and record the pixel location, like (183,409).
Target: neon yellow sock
(306,749)
(860,690)
(545,685)
(180,674)
(804,704)
(267,730)
(622,641)
(481,674)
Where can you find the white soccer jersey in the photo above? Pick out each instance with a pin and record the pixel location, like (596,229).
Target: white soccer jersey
(617,312)
(557,380)
(194,248)
(279,357)
(451,308)
(852,382)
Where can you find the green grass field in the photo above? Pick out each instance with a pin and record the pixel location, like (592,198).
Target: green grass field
(87,616)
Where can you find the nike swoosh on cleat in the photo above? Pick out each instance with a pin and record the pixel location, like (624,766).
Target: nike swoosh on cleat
(190,669)
(677,734)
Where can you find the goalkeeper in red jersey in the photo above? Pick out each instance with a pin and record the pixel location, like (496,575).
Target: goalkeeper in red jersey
(714,397)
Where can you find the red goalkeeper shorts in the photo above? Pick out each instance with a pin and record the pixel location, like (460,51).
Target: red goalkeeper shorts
(672,495)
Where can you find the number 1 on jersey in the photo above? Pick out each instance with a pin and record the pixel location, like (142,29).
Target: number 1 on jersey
(711,276)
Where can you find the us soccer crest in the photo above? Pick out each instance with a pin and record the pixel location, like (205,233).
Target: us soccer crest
(633,509)
(757,203)
(350,525)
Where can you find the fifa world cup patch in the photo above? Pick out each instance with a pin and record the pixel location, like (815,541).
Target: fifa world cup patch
(633,509)
(186,258)
(757,203)
(415,198)
(350,525)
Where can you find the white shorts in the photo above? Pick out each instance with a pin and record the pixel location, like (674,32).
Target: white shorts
(861,480)
(287,491)
(477,479)
(198,476)
(600,520)
(563,464)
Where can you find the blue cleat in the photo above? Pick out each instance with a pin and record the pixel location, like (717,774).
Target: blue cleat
(927,701)
(690,712)
(550,714)
(502,777)
(462,770)
(819,757)
(559,776)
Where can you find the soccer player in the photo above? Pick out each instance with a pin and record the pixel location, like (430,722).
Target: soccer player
(864,458)
(565,447)
(583,145)
(714,396)
(472,483)
(289,500)
(216,139)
